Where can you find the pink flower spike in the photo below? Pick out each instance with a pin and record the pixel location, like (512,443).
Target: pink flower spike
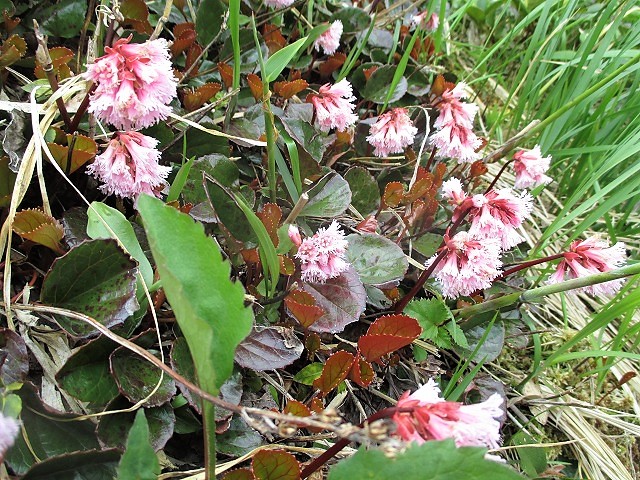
(329,40)
(469,265)
(134,84)
(278,3)
(294,235)
(498,214)
(322,255)
(588,257)
(430,25)
(453,192)
(129,166)
(333,106)
(530,167)
(392,133)
(433,418)
(9,429)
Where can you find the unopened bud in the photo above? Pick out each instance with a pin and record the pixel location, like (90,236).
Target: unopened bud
(294,235)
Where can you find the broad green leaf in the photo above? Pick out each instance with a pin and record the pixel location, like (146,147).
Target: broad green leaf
(434,460)
(121,229)
(86,374)
(139,461)
(308,374)
(279,60)
(377,86)
(377,259)
(275,465)
(83,465)
(329,197)
(487,345)
(209,20)
(95,278)
(216,165)
(208,306)
(239,439)
(427,244)
(365,192)
(64,19)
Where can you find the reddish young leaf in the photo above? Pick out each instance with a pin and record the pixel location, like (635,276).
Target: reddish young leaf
(239,474)
(136,15)
(316,405)
(273,38)
(302,306)
(362,372)
(335,370)
(37,226)
(388,334)
(333,63)
(287,90)
(226,73)
(256,87)
(369,71)
(478,168)
(192,55)
(184,36)
(287,267)
(60,57)
(84,149)
(419,188)
(194,99)
(270,216)
(393,194)
(438,86)
(10,23)
(297,408)
(312,343)
(250,255)
(275,465)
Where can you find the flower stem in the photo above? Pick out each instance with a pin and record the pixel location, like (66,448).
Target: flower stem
(528,264)
(495,180)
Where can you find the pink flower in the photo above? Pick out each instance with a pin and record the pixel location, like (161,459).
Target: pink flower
(434,418)
(588,257)
(453,191)
(430,25)
(392,133)
(322,255)
(530,167)
(456,139)
(333,107)
(497,215)
(278,3)
(329,40)
(135,84)
(9,429)
(129,166)
(470,264)
(294,235)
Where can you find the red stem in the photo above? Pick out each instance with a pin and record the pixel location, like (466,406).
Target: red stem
(528,264)
(493,183)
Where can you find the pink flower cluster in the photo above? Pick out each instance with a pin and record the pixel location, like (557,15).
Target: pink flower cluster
(329,41)
(135,83)
(427,22)
(333,106)
(129,166)
(392,133)
(531,167)
(9,429)
(278,3)
(469,265)
(433,418)
(321,255)
(588,257)
(455,137)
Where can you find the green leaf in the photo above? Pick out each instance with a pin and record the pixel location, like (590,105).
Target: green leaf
(87,465)
(120,228)
(427,244)
(86,375)
(365,192)
(429,311)
(329,197)
(209,19)
(208,306)
(279,60)
(434,460)
(275,465)
(179,181)
(139,461)
(377,86)
(486,344)
(239,439)
(217,166)
(308,374)
(95,278)
(376,259)
(64,19)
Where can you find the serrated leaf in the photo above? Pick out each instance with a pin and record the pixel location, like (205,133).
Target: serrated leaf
(287,89)
(388,334)
(122,229)
(430,312)
(255,85)
(457,335)
(193,99)
(239,474)
(14,358)
(268,348)
(208,306)
(86,375)
(335,370)
(297,408)
(139,461)
(342,298)
(60,57)
(377,259)
(362,372)
(303,307)
(433,460)
(40,228)
(136,15)
(309,374)
(329,197)
(84,149)
(95,278)
(393,194)
(275,465)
